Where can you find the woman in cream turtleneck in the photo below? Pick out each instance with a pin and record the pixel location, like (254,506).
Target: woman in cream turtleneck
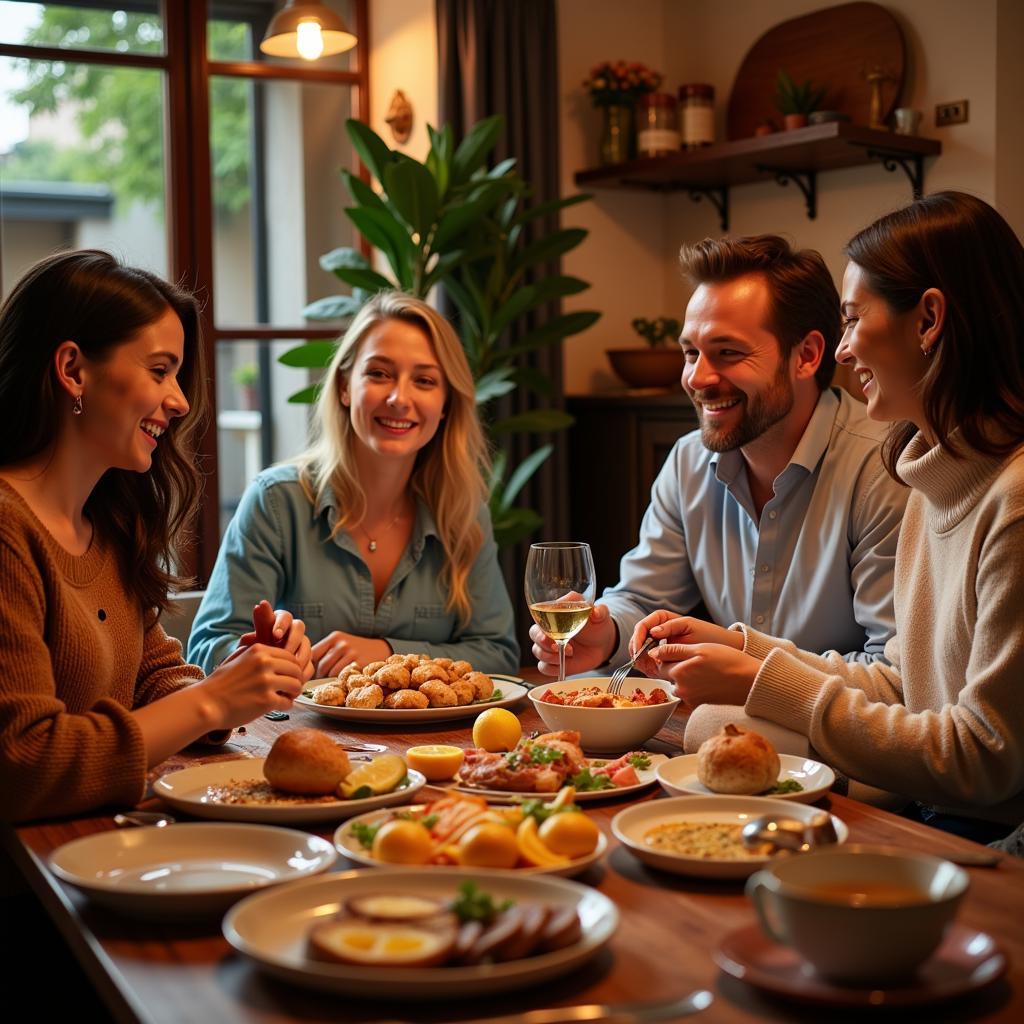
(933,307)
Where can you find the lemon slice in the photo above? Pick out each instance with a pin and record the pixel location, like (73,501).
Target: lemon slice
(381,775)
(436,761)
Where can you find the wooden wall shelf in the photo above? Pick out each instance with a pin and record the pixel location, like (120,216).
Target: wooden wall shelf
(795,156)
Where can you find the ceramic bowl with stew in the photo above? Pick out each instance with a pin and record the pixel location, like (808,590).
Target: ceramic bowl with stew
(606,730)
(859,914)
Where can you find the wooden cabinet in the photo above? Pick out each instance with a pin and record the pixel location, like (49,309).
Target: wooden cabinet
(616,448)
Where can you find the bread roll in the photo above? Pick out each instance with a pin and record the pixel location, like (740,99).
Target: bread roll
(737,761)
(306,761)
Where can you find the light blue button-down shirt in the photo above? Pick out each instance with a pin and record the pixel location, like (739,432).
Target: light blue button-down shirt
(816,568)
(278,547)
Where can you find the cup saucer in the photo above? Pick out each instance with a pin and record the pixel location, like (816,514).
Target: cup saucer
(966,960)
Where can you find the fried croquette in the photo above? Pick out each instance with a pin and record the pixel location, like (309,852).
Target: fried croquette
(371,696)
(407,700)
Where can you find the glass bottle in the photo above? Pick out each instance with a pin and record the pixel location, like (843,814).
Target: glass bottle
(698,114)
(657,131)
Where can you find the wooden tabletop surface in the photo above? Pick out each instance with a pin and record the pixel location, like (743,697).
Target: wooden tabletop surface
(158,972)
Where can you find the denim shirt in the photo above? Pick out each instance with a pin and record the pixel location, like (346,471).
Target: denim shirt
(278,547)
(816,567)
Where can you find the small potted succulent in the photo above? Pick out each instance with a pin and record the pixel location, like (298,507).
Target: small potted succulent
(660,365)
(246,377)
(794,101)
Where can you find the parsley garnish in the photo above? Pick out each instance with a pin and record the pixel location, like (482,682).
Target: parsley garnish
(787,786)
(585,782)
(474,905)
(365,833)
(640,760)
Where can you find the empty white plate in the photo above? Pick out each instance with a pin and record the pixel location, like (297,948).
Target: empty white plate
(185,871)
(679,777)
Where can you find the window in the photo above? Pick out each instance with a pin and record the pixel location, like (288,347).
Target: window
(160,132)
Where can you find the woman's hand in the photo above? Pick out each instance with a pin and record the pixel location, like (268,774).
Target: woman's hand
(338,649)
(668,627)
(706,673)
(254,680)
(278,629)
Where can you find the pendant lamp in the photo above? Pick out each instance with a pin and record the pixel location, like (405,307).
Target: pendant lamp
(307,30)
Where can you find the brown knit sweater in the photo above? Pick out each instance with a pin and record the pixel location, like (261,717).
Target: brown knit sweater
(75,659)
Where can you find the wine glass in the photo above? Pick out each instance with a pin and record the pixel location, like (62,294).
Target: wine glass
(560,589)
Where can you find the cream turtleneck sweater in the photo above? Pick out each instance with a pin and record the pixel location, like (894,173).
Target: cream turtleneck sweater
(944,724)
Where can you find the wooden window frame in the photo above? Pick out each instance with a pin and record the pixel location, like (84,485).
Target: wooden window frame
(188,71)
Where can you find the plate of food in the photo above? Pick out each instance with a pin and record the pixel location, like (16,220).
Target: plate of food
(741,762)
(307,777)
(187,871)
(458,830)
(543,764)
(800,779)
(410,688)
(700,835)
(409,933)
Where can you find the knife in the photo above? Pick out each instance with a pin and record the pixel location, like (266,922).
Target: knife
(625,1013)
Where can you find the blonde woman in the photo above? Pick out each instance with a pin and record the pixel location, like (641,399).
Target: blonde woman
(378,535)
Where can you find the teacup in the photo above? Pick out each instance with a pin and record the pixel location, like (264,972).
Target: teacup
(859,914)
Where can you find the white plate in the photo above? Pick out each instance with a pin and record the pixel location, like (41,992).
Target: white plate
(631,825)
(186,791)
(271,929)
(511,687)
(647,777)
(679,777)
(348,846)
(185,871)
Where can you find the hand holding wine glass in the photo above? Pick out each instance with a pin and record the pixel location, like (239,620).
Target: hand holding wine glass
(560,590)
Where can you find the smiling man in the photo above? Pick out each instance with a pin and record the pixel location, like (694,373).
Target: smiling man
(778,512)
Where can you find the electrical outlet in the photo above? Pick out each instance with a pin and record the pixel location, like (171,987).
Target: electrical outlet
(950,113)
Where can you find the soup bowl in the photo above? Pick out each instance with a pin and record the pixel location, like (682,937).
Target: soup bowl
(859,914)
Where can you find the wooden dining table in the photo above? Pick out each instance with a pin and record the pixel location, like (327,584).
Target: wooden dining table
(159,972)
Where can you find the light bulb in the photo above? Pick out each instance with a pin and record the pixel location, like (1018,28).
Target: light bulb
(309,40)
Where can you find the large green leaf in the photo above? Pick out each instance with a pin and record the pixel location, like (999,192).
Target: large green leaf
(386,234)
(500,170)
(514,525)
(414,193)
(555,330)
(493,384)
(498,463)
(346,256)
(372,149)
(362,277)
(313,355)
(517,481)
(305,396)
(473,149)
(361,192)
(439,160)
(334,307)
(442,269)
(549,247)
(540,421)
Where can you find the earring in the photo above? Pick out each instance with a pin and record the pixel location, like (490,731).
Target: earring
(76,409)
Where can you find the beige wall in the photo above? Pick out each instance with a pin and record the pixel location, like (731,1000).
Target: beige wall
(630,254)
(403,41)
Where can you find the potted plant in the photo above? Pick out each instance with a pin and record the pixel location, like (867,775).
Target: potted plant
(246,377)
(614,88)
(794,101)
(452,221)
(660,365)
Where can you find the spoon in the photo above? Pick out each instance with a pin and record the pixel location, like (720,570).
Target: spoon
(157,819)
(790,834)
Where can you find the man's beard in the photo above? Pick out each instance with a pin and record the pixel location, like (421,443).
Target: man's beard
(762,411)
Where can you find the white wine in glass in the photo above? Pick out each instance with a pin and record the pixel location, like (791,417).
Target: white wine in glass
(560,589)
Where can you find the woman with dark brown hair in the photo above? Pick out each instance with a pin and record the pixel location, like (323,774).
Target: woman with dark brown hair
(101,393)
(933,307)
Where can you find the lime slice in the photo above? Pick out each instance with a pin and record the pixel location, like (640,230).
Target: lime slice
(381,775)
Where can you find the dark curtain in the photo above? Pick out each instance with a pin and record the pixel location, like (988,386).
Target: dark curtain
(501,57)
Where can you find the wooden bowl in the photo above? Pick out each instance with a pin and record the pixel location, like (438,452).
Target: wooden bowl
(648,367)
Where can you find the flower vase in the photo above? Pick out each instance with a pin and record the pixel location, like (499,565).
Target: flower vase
(618,140)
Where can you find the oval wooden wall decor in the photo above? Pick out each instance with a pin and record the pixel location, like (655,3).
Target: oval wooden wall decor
(836,48)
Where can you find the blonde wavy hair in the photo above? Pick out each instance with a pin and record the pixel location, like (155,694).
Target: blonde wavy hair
(451,469)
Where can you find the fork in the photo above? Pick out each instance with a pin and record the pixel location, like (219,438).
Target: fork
(618,678)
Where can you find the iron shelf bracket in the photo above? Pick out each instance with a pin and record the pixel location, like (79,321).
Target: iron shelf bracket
(806,181)
(911,165)
(718,198)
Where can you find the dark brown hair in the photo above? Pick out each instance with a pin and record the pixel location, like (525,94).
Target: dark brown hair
(88,297)
(803,294)
(975,377)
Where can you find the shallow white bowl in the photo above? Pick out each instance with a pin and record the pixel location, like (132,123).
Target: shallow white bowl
(679,778)
(186,871)
(606,730)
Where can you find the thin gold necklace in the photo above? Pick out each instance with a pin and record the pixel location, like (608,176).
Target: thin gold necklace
(372,545)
